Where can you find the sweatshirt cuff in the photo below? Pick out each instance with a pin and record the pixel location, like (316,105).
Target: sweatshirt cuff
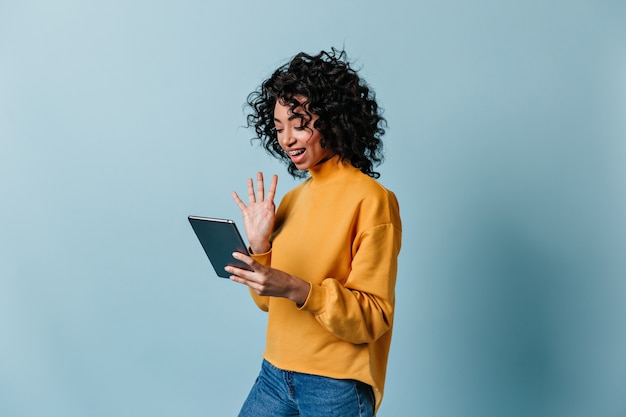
(262,258)
(316,301)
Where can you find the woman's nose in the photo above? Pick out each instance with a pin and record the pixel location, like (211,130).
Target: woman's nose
(287,138)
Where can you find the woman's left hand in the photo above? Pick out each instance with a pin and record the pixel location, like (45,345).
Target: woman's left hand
(269,281)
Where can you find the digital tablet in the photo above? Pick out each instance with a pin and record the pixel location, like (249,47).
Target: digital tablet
(219,239)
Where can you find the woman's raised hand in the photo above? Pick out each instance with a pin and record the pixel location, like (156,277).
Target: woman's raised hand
(259,214)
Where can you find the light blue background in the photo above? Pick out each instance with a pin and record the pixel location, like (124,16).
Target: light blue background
(506,148)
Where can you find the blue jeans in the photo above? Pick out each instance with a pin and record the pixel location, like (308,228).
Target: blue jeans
(285,393)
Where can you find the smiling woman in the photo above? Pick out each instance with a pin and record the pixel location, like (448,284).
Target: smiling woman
(324,264)
(323,94)
(301,142)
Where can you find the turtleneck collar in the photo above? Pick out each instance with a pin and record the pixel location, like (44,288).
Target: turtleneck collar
(329,170)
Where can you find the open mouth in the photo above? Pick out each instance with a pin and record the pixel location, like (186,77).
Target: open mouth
(296,152)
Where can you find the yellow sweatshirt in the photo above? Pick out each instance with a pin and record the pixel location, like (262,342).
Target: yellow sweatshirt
(340,230)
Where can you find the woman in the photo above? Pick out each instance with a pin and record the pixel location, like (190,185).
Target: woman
(324,264)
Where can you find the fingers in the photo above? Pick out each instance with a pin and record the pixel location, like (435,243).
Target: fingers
(243,275)
(238,200)
(260,187)
(271,193)
(259,194)
(251,197)
(254,286)
(246,259)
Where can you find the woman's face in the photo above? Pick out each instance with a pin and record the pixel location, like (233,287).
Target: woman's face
(297,136)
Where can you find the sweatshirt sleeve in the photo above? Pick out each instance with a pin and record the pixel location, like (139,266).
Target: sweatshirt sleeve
(361,309)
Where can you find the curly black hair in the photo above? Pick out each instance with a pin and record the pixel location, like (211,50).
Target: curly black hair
(350,120)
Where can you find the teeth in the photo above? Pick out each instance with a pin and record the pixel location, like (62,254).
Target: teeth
(294,153)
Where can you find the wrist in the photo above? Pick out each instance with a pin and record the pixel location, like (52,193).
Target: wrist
(300,292)
(257,248)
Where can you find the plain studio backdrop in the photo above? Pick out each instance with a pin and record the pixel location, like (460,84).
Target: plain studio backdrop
(506,148)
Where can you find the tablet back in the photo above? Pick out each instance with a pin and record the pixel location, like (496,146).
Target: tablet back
(219,239)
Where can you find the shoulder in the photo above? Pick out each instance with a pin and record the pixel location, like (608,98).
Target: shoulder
(368,188)
(375,202)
